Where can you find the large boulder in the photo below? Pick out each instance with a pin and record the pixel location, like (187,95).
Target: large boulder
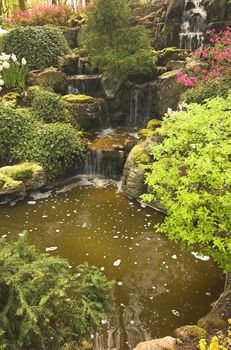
(49,78)
(72,36)
(90,113)
(191,333)
(20,178)
(166,343)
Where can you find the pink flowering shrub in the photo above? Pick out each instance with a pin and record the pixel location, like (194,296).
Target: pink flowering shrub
(57,15)
(212,62)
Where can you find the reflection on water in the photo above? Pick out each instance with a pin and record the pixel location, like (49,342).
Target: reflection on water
(158,286)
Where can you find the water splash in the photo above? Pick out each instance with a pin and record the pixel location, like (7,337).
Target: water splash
(193,25)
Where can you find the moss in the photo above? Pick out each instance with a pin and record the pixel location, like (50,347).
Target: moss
(9,186)
(78,98)
(153,124)
(21,172)
(144,133)
(139,156)
(191,333)
(31,93)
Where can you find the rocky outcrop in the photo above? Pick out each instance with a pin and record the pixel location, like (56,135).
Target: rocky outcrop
(18,179)
(89,113)
(166,343)
(49,78)
(191,334)
(133,176)
(72,36)
(85,84)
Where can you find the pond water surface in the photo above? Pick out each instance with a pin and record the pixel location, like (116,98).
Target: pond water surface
(158,288)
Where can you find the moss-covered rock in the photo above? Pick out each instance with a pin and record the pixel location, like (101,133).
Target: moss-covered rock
(144,133)
(78,98)
(20,178)
(153,124)
(191,333)
(49,78)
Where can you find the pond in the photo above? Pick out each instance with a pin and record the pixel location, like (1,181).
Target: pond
(159,287)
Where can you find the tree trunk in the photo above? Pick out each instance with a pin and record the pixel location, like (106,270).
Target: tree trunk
(22,5)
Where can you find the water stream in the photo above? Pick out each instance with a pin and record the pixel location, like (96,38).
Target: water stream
(193,25)
(158,286)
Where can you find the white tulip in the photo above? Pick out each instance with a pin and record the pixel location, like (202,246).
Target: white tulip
(14,58)
(6,57)
(1,68)
(6,65)
(24,61)
(2,82)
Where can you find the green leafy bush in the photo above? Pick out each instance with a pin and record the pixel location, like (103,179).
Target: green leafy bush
(56,147)
(45,304)
(49,107)
(15,128)
(190,178)
(41,46)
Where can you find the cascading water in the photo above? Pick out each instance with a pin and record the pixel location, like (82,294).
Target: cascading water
(193,25)
(140,102)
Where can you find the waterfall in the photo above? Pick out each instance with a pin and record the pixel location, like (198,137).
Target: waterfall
(193,25)
(140,103)
(103,163)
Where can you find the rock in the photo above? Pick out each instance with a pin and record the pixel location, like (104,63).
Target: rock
(19,178)
(50,77)
(90,113)
(166,93)
(166,343)
(74,64)
(190,333)
(134,170)
(85,84)
(72,36)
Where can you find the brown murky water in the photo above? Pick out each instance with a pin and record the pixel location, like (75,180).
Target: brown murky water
(158,286)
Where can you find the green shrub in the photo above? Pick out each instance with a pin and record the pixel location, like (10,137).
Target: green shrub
(15,128)
(44,303)
(190,178)
(49,107)
(56,147)
(209,89)
(78,98)
(41,46)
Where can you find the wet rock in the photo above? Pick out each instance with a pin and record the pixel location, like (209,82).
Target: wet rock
(190,333)
(134,170)
(73,64)
(51,78)
(72,37)
(85,84)
(166,343)
(90,113)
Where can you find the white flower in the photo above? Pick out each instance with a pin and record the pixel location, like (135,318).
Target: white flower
(24,61)
(14,58)
(6,65)
(2,82)
(5,57)
(1,68)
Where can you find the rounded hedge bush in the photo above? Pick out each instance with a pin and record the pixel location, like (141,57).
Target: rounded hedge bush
(56,147)
(15,128)
(41,46)
(49,107)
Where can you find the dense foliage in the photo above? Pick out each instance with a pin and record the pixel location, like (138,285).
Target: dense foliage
(115,46)
(43,304)
(50,107)
(190,178)
(14,131)
(57,147)
(208,75)
(41,46)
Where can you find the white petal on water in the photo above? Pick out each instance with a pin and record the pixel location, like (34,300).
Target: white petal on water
(84,224)
(174,257)
(4,236)
(31,202)
(200,256)
(176,313)
(102,268)
(117,262)
(120,283)
(51,249)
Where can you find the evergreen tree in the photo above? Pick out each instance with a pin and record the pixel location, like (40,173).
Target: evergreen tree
(115,46)
(44,305)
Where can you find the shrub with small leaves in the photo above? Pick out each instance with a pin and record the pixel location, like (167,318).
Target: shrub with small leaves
(43,304)
(190,178)
(41,46)
(56,147)
(49,107)
(15,127)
